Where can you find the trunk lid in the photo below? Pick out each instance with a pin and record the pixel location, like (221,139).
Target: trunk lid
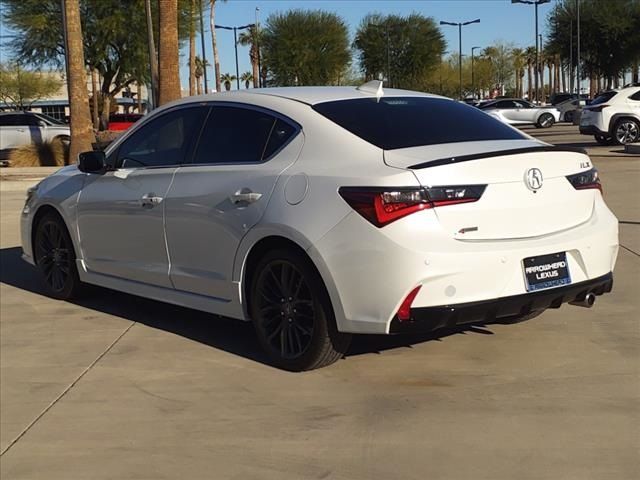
(510,207)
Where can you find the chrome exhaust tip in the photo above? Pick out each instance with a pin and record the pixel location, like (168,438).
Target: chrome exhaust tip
(587,302)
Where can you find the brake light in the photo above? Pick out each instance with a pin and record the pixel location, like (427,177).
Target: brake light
(597,108)
(382,206)
(404,312)
(585,180)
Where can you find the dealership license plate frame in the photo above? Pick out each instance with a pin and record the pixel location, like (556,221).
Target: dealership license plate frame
(562,278)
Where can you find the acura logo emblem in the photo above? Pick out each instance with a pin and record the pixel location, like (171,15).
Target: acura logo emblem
(534,179)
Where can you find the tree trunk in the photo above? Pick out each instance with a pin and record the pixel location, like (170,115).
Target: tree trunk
(199,85)
(214,45)
(82,135)
(106,111)
(592,85)
(192,48)
(139,90)
(636,72)
(550,66)
(94,99)
(564,79)
(254,67)
(168,56)
(153,57)
(529,77)
(557,73)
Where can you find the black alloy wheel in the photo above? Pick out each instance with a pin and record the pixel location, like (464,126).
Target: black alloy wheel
(546,120)
(292,314)
(55,258)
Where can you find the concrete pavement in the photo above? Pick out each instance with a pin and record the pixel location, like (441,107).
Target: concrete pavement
(116,386)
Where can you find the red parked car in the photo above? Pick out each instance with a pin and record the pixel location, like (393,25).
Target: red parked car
(119,122)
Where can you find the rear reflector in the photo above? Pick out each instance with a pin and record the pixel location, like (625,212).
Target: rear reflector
(585,180)
(404,312)
(382,206)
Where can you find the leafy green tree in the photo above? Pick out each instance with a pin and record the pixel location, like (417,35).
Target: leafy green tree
(114,38)
(305,47)
(22,87)
(609,38)
(402,49)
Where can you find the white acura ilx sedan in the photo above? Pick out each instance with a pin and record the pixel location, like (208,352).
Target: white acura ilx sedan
(322,212)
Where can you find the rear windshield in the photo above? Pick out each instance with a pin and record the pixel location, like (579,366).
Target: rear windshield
(402,122)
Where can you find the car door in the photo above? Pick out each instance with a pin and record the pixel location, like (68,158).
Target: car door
(14,132)
(507,109)
(121,212)
(216,199)
(523,112)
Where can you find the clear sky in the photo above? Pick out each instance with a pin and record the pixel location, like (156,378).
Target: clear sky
(499,20)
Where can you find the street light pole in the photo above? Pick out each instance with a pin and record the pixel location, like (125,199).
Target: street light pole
(536,3)
(235,41)
(204,57)
(257,39)
(578,48)
(460,25)
(473,78)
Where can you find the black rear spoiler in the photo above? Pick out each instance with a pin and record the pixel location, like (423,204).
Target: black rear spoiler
(498,153)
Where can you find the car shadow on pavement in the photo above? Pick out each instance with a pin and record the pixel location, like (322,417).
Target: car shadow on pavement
(223,333)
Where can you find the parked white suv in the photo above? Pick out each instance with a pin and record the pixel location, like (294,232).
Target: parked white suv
(613,116)
(23,128)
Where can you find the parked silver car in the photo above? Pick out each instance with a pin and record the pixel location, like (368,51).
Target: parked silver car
(24,128)
(515,111)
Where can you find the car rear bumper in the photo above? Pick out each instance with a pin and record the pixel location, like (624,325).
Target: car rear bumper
(592,130)
(428,319)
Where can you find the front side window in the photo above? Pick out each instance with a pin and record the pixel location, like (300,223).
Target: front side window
(402,122)
(240,135)
(163,141)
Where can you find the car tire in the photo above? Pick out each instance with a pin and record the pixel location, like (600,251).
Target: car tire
(602,140)
(568,117)
(626,130)
(292,313)
(56,259)
(545,120)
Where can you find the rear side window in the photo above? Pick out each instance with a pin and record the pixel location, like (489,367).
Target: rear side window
(401,122)
(635,96)
(603,98)
(9,120)
(164,141)
(240,135)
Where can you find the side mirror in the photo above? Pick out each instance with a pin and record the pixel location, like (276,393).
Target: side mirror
(91,162)
(42,123)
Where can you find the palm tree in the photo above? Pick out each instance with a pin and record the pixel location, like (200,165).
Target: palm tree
(250,38)
(199,72)
(82,135)
(227,78)
(519,62)
(530,56)
(192,48)
(247,77)
(168,56)
(214,44)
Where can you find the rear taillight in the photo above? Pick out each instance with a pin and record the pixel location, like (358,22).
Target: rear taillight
(597,108)
(585,180)
(381,206)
